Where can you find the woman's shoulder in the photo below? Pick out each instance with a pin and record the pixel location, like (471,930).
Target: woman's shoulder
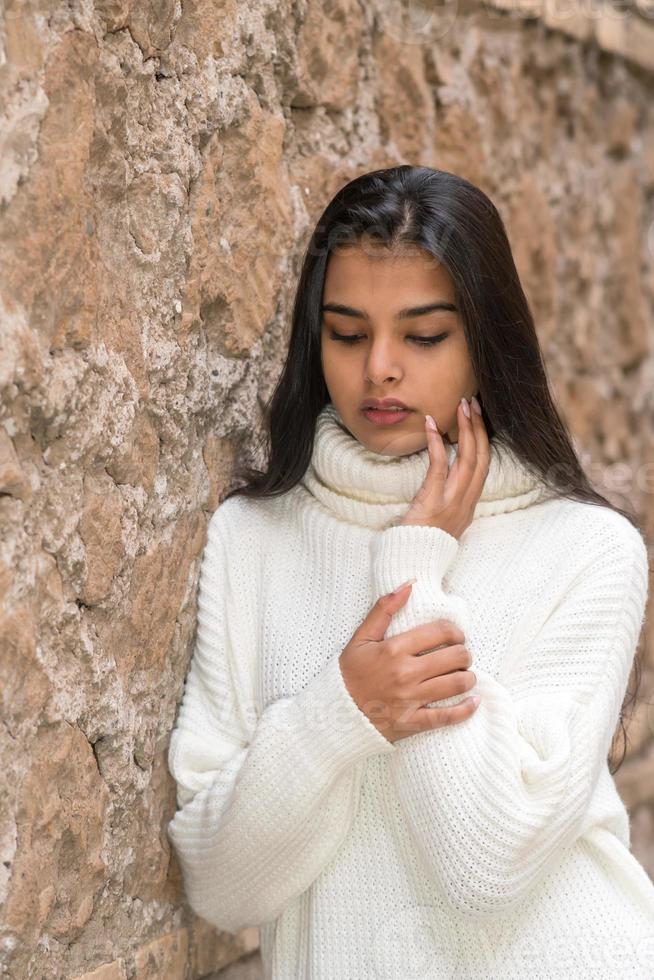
(595,529)
(242,519)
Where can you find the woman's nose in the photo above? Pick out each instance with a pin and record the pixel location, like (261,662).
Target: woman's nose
(382,366)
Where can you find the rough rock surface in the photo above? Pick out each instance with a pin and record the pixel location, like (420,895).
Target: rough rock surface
(162,164)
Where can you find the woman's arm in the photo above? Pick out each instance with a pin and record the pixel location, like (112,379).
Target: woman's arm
(493,801)
(264,802)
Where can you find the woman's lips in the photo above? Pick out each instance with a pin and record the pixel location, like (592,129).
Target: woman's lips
(386,416)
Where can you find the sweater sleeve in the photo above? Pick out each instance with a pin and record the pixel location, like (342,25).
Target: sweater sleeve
(265,797)
(493,801)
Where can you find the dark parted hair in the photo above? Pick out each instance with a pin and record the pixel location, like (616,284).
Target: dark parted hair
(457,223)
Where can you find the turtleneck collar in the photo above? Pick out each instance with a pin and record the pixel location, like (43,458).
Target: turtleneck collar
(366,488)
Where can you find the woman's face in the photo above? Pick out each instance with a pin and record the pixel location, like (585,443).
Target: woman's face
(366,291)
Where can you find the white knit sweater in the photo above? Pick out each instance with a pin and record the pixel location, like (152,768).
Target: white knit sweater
(496,848)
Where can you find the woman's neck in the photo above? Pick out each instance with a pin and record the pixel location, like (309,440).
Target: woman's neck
(366,488)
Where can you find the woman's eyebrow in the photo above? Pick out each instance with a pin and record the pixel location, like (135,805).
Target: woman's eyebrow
(405,314)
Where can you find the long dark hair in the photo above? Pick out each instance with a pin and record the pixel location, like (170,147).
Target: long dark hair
(449,217)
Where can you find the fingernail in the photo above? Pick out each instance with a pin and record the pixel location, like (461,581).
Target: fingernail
(466,408)
(476,405)
(431,424)
(475,699)
(403,586)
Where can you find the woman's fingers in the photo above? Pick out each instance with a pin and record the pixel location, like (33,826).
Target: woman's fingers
(438,467)
(459,485)
(428,501)
(465,461)
(482,457)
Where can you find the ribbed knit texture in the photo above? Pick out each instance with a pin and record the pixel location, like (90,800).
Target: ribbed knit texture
(492,849)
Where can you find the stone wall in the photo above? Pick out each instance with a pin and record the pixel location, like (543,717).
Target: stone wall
(162,164)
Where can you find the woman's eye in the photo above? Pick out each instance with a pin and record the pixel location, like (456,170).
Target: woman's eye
(420,341)
(346,338)
(429,341)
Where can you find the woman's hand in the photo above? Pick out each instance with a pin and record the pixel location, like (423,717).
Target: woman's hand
(392,680)
(448,499)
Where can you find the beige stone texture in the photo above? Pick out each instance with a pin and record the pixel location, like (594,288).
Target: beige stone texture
(110,971)
(162,164)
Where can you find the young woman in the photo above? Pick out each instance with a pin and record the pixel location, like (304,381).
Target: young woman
(414,643)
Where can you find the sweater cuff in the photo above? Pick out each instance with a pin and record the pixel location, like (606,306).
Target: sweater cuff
(338,732)
(411,550)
